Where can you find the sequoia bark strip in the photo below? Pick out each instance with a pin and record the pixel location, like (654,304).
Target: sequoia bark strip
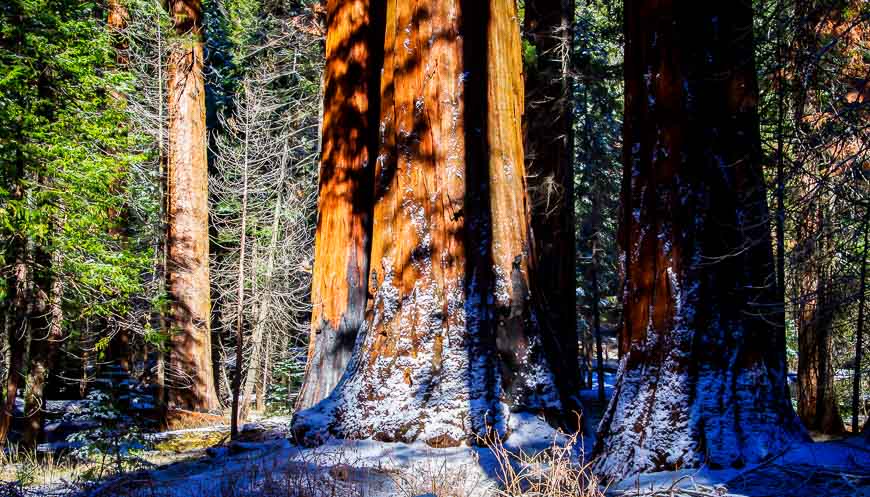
(452,341)
(342,239)
(190,375)
(702,374)
(550,167)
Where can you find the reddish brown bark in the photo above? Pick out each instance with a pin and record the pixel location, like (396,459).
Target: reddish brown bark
(349,142)
(190,375)
(452,339)
(817,404)
(702,374)
(550,166)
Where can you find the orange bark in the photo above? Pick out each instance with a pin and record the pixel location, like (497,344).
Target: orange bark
(190,376)
(452,341)
(341,257)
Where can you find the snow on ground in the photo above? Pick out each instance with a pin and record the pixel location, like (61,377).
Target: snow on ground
(366,468)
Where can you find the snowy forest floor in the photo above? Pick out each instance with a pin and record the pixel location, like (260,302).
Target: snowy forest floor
(194,463)
(199,462)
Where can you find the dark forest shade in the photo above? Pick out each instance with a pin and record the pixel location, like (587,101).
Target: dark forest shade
(702,376)
(549,151)
(349,147)
(452,341)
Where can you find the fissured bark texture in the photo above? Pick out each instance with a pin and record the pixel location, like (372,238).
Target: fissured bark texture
(452,340)
(354,42)
(702,375)
(190,375)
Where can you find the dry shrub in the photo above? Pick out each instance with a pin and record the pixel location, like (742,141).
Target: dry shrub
(552,472)
(179,419)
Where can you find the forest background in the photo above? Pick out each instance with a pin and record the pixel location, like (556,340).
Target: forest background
(84,150)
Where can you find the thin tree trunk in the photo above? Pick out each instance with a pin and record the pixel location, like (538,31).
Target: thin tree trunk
(190,356)
(550,166)
(453,342)
(240,291)
(18,294)
(859,332)
(702,377)
(266,301)
(47,337)
(18,290)
(817,402)
(596,294)
(119,346)
(342,239)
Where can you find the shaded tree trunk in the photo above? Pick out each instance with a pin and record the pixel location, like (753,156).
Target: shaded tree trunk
(453,341)
(190,375)
(18,290)
(549,151)
(702,377)
(859,332)
(817,402)
(349,143)
(46,339)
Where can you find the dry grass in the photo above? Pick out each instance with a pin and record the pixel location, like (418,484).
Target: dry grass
(28,468)
(438,477)
(552,472)
(179,419)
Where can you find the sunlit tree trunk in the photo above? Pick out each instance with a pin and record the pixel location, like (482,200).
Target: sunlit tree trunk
(452,340)
(190,375)
(702,378)
(549,163)
(349,141)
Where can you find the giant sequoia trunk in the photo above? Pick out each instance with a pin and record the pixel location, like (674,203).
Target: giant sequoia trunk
(190,375)
(452,339)
(702,375)
(349,146)
(550,165)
